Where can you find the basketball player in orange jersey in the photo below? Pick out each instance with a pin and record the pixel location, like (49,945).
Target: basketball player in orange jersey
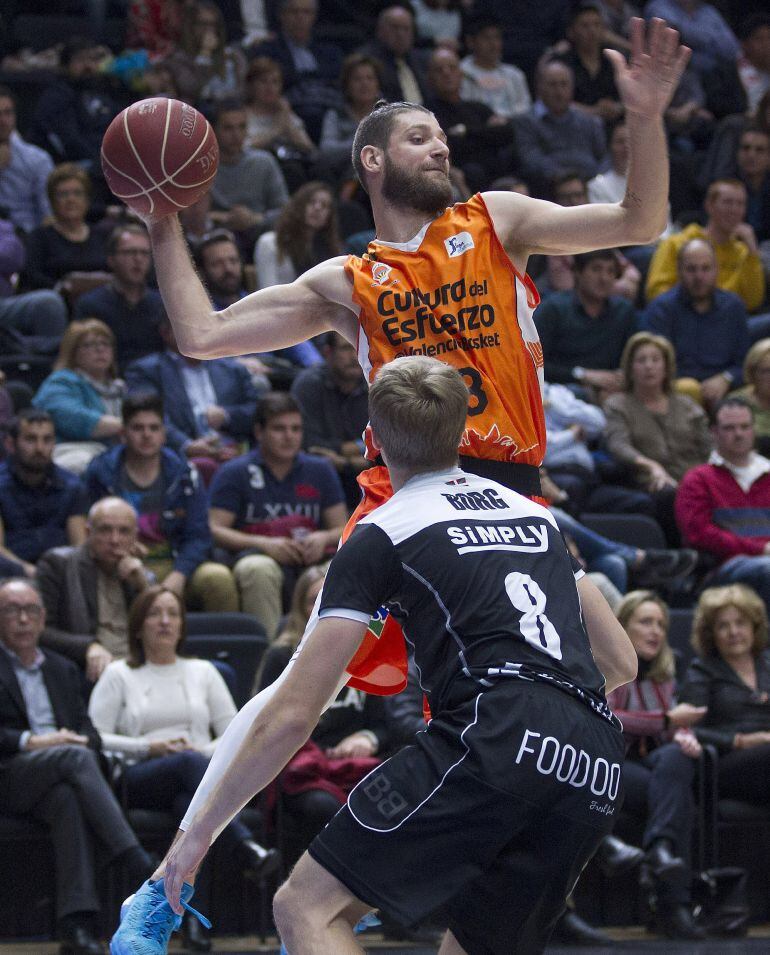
(445,282)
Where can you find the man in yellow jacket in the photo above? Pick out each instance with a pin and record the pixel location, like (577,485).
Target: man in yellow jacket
(738,262)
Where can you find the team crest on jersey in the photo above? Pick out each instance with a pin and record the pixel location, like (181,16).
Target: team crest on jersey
(459,244)
(381,272)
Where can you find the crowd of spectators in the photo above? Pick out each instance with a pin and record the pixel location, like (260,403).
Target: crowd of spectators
(133,473)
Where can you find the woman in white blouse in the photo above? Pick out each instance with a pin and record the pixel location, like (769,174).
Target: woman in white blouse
(165,714)
(306,233)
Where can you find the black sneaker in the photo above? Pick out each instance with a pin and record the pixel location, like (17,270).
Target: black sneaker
(663,566)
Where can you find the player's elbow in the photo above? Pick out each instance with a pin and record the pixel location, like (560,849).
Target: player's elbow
(630,666)
(624,668)
(649,230)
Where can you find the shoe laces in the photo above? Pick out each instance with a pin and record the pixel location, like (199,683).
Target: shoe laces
(158,918)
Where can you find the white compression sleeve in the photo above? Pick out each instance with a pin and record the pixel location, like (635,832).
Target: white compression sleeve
(231,740)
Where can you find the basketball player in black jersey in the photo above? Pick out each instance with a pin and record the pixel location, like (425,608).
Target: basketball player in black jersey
(496,807)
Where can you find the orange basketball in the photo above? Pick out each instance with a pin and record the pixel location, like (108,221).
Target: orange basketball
(159,156)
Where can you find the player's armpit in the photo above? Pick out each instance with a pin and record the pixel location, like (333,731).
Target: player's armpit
(613,652)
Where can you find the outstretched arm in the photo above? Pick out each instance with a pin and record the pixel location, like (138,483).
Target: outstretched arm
(320,300)
(646,86)
(279,728)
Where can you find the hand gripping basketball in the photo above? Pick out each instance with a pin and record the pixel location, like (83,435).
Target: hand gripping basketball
(159,156)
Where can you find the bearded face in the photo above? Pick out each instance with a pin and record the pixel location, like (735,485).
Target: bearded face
(424,190)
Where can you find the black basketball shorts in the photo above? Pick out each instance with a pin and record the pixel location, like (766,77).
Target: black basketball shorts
(490,815)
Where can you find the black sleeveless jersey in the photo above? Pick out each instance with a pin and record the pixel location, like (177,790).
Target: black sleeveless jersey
(481,582)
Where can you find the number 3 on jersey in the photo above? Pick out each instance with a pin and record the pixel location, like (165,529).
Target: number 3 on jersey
(476,388)
(527,597)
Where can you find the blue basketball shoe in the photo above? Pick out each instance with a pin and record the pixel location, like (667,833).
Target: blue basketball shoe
(147,921)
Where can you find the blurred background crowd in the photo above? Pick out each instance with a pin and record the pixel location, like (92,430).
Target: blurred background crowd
(139,486)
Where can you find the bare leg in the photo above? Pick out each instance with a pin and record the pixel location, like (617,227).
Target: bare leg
(450,946)
(231,740)
(315,913)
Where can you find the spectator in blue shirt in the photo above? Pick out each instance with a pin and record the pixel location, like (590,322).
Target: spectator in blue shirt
(701,27)
(41,505)
(170,503)
(584,332)
(555,136)
(276,510)
(209,405)
(24,171)
(707,326)
(131,309)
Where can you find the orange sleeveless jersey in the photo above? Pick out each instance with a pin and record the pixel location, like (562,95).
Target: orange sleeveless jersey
(457,297)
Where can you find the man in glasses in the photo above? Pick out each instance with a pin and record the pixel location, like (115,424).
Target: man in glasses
(49,768)
(131,309)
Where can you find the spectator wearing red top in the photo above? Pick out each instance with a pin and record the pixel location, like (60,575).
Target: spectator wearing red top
(723,507)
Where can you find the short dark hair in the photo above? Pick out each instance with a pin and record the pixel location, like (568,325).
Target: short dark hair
(732,401)
(273,404)
(753,127)
(27,416)
(578,9)
(133,228)
(7,93)
(215,237)
(74,46)
(751,24)
(375,130)
(141,401)
(585,258)
(477,23)
(231,105)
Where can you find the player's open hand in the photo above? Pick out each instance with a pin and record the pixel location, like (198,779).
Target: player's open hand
(182,862)
(647,83)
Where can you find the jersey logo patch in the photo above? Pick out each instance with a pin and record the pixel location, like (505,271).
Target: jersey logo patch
(459,244)
(381,272)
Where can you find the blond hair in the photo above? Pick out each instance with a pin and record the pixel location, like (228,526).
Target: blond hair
(637,341)
(417,409)
(663,665)
(297,617)
(75,332)
(754,356)
(715,599)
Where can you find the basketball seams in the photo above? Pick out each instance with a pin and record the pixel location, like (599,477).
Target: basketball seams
(138,158)
(168,178)
(165,140)
(157,192)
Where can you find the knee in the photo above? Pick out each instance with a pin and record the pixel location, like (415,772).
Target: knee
(191,761)
(257,568)
(290,914)
(51,305)
(78,758)
(674,763)
(213,587)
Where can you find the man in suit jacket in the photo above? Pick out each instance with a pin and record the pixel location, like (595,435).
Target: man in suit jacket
(49,768)
(310,68)
(209,405)
(402,66)
(87,590)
